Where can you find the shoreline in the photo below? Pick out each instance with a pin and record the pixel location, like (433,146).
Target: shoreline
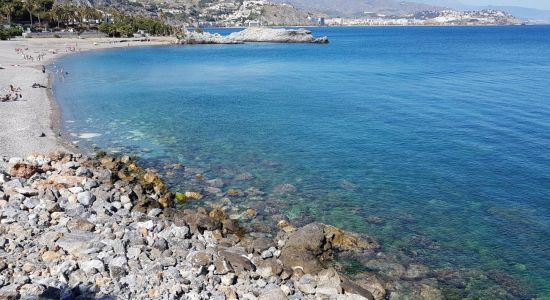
(55,122)
(20,133)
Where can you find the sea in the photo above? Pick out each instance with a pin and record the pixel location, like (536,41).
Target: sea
(435,141)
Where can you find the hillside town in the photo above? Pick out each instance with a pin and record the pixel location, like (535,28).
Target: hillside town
(445,17)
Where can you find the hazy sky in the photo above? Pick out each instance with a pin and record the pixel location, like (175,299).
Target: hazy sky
(541,4)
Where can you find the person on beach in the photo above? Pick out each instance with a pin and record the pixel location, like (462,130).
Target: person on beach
(43,69)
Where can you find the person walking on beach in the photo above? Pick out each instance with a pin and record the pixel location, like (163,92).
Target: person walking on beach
(43,69)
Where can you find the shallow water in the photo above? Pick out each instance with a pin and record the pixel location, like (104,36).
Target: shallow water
(436,140)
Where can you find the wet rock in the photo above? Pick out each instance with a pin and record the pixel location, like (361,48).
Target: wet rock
(217,183)
(145,205)
(234,193)
(511,284)
(387,267)
(217,214)
(344,241)
(373,285)
(302,249)
(429,292)
(310,237)
(350,287)
(231,226)
(416,271)
(199,222)
(249,213)
(244,176)
(285,226)
(286,188)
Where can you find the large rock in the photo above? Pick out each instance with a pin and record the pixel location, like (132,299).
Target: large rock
(260,34)
(237,260)
(344,241)
(303,247)
(307,246)
(310,237)
(276,35)
(300,259)
(351,287)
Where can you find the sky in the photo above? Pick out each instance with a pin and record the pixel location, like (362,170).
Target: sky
(540,4)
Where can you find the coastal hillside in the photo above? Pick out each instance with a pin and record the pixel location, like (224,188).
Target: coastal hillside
(353,8)
(207,13)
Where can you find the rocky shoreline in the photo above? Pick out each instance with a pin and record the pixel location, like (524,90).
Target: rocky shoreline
(255,35)
(74,226)
(83,227)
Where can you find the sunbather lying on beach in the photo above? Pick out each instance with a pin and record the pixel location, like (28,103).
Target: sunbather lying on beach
(38,85)
(13,94)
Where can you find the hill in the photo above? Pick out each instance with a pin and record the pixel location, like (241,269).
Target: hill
(352,8)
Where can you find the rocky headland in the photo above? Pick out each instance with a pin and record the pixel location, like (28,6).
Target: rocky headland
(74,226)
(255,35)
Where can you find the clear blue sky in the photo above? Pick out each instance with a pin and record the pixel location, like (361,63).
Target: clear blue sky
(540,4)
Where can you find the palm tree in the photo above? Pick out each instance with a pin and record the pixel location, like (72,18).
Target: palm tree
(90,13)
(70,13)
(30,7)
(162,17)
(57,13)
(40,9)
(8,7)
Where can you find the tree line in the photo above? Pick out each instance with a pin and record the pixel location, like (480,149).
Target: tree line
(50,14)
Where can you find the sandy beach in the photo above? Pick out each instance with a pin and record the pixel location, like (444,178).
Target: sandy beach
(31,123)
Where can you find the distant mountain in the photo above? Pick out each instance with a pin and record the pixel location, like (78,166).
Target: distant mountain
(517,11)
(350,8)
(524,12)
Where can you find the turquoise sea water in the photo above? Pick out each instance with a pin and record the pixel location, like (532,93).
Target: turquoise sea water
(434,140)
